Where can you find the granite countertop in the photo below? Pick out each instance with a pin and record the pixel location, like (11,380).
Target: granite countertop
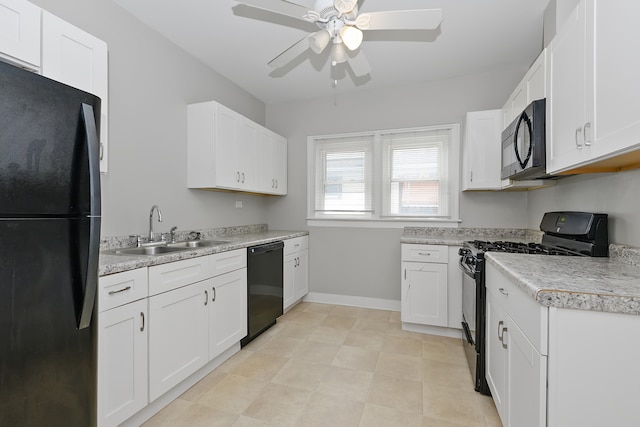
(583,283)
(111,264)
(456,236)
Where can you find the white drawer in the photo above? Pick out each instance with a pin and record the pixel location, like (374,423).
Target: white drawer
(225,262)
(296,244)
(425,253)
(122,288)
(165,277)
(531,317)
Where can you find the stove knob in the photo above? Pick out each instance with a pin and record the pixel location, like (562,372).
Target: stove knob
(463,251)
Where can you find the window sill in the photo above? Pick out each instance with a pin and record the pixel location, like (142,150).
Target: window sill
(382,223)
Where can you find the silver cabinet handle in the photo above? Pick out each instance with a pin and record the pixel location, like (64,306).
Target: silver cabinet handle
(504,344)
(214,294)
(276,183)
(142,317)
(424,253)
(101,151)
(243,177)
(578,143)
(500,323)
(119,290)
(587,140)
(471,176)
(206,297)
(503,292)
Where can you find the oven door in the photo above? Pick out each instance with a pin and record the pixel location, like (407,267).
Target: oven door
(469,297)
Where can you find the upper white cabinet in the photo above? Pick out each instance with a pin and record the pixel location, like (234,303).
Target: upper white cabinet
(78,59)
(228,151)
(482,151)
(273,163)
(20,33)
(530,88)
(592,120)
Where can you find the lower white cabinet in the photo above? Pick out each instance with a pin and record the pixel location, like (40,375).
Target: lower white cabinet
(122,346)
(296,270)
(227,311)
(424,296)
(178,336)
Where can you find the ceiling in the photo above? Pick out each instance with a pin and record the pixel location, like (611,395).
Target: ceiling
(238,41)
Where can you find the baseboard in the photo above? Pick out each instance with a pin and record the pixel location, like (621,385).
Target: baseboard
(364,302)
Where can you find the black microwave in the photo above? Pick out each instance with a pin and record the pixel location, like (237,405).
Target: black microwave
(523,145)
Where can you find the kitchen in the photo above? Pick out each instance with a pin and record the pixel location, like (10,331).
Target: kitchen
(147,160)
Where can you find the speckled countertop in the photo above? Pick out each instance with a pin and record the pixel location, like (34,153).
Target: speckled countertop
(456,236)
(584,283)
(111,264)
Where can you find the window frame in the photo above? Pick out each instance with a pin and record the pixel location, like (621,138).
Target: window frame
(377,218)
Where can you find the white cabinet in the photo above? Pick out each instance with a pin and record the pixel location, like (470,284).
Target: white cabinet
(424,296)
(20,33)
(516,346)
(593,125)
(227,311)
(178,336)
(223,151)
(482,151)
(296,270)
(78,59)
(531,87)
(122,346)
(273,163)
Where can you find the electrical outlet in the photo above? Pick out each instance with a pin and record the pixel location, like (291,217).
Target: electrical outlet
(238,204)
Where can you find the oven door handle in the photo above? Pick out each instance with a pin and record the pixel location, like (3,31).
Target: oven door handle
(467,270)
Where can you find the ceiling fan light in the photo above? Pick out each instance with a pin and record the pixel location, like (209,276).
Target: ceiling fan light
(319,40)
(351,37)
(339,54)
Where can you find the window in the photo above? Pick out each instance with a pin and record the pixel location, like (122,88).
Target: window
(398,175)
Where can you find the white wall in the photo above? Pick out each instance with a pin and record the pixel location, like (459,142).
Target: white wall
(616,194)
(366,262)
(150,83)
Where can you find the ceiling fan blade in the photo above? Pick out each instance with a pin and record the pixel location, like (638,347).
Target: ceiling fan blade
(359,64)
(421,19)
(290,54)
(282,7)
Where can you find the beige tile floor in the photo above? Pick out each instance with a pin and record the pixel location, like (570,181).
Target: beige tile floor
(338,366)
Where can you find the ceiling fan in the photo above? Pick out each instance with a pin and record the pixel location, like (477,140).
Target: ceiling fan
(341,23)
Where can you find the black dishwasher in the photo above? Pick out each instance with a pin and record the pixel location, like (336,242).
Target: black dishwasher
(265,288)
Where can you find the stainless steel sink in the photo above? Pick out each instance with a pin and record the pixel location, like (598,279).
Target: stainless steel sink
(150,250)
(197,243)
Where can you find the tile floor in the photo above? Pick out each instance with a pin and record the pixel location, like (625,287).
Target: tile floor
(338,366)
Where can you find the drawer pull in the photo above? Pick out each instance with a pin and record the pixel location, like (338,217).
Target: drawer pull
(504,331)
(119,290)
(503,292)
(424,253)
(214,294)
(142,317)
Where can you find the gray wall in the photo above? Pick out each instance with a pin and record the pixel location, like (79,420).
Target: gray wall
(150,83)
(616,194)
(365,261)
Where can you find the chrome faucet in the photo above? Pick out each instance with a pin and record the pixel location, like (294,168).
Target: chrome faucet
(157,209)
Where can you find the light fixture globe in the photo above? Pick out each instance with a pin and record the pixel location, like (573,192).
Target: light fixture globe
(319,40)
(351,37)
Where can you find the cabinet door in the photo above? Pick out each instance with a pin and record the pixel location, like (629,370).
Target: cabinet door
(122,362)
(482,150)
(246,152)
(527,376)
(536,79)
(424,293)
(76,58)
(272,163)
(301,277)
(496,353)
(20,32)
(290,262)
(614,89)
(566,106)
(227,170)
(178,336)
(227,311)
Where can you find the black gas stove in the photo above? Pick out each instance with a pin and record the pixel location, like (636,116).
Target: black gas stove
(565,234)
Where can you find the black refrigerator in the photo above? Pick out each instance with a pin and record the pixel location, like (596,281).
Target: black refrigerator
(49,248)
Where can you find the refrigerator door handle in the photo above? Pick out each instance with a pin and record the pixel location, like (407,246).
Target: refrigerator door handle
(91,281)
